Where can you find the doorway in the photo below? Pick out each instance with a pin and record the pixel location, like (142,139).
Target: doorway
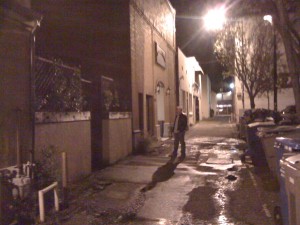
(197,109)
(150,117)
(141,111)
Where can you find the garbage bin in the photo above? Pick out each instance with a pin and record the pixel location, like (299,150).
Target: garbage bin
(291,168)
(284,147)
(255,148)
(267,137)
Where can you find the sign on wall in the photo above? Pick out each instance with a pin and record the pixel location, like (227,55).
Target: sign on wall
(160,56)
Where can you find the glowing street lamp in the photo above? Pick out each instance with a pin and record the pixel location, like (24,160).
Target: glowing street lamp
(215,19)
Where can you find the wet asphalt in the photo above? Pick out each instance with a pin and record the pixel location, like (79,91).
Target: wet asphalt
(210,186)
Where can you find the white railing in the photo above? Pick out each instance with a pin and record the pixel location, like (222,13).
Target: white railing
(41,199)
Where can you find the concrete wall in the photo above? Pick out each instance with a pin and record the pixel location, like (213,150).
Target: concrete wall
(72,137)
(15,92)
(117,139)
(96,36)
(152,24)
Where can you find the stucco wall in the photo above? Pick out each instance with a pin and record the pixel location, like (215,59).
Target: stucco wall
(117,139)
(74,138)
(183,72)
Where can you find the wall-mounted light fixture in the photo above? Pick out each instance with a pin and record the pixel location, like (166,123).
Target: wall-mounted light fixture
(157,88)
(159,85)
(168,92)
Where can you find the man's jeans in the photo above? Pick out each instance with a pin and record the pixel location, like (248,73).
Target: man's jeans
(179,138)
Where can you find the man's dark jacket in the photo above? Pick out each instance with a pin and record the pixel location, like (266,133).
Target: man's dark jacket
(182,123)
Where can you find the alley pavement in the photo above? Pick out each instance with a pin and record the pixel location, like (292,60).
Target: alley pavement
(210,186)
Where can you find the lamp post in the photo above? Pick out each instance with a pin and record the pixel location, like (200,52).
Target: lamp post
(269,19)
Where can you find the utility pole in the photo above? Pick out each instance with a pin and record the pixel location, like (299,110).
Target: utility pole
(275,69)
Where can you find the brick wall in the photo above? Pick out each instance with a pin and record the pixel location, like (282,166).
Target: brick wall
(152,22)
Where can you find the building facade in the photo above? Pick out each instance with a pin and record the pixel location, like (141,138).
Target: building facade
(153,50)
(17,32)
(191,88)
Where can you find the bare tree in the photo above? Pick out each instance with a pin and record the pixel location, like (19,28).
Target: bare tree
(286,20)
(245,49)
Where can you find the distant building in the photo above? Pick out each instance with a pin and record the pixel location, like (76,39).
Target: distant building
(224,103)
(193,88)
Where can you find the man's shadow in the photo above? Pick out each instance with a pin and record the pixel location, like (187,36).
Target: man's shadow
(163,173)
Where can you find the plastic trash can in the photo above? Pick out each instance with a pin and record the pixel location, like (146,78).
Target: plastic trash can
(255,148)
(291,166)
(267,136)
(284,147)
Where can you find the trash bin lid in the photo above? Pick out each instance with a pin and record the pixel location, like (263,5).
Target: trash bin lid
(293,160)
(293,167)
(261,124)
(277,129)
(290,144)
(270,130)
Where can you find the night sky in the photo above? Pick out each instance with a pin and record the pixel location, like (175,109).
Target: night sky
(193,39)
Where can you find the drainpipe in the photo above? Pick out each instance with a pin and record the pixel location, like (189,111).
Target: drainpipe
(177,78)
(32,94)
(32,83)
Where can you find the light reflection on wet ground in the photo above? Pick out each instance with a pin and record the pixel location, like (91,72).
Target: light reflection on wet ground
(219,148)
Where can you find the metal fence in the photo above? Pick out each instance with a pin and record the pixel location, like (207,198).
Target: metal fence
(58,87)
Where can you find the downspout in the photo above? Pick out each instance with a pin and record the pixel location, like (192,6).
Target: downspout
(176,78)
(32,88)
(32,93)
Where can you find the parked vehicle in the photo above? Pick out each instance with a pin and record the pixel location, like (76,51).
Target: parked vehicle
(289,115)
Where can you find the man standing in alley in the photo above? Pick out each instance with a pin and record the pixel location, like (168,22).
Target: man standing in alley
(180,126)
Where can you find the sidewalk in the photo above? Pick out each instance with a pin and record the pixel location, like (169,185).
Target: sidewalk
(113,195)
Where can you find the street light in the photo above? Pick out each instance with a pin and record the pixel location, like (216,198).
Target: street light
(269,19)
(215,19)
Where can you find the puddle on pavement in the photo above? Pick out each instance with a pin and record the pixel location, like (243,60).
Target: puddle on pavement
(204,141)
(222,166)
(225,153)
